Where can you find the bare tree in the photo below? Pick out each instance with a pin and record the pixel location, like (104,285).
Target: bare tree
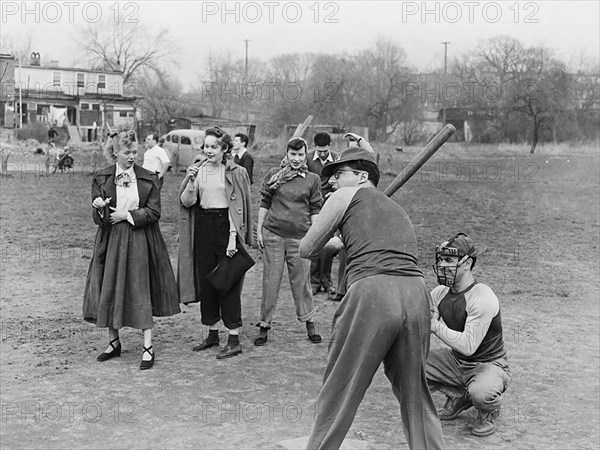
(531,83)
(19,48)
(162,98)
(383,68)
(222,82)
(541,88)
(129,47)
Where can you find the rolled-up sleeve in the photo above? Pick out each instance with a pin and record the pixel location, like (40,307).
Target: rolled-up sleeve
(326,223)
(189,195)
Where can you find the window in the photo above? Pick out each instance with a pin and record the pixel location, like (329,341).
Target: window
(85,106)
(122,113)
(56,79)
(80,80)
(168,138)
(96,107)
(101,81)
(186,140)
(42,109)
(175,139)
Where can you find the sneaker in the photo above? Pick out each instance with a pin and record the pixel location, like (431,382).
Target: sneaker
(486,426)
(454,406)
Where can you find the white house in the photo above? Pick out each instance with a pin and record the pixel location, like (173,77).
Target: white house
(90,100)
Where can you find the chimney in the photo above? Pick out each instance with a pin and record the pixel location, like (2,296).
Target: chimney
(118,66)
(35,59)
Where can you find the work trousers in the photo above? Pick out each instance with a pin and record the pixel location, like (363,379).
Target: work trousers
(320,270)
(382,318)
(210,243)
(278,253)
(483,382)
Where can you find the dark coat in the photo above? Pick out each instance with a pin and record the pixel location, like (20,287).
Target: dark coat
(247,162)
(316,166)
(156,269)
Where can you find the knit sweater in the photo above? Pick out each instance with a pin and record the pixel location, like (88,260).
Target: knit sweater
(291,205)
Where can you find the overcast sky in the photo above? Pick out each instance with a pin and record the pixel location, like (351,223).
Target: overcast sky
(274,27)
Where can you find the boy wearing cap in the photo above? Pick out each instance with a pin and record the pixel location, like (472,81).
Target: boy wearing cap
(384,316)
(466,316)
(320,267)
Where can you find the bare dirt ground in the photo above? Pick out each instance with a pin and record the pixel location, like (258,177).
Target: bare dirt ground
(539,215)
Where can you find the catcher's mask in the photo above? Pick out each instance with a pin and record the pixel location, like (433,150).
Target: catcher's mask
(460,247)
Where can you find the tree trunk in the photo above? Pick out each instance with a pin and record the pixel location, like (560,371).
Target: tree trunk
(5,156)
(534,139)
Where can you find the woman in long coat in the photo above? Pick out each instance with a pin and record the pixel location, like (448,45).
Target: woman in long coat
(216,221)
(130,278)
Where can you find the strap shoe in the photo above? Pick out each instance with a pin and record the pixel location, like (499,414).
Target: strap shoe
(116,351)
(145,365)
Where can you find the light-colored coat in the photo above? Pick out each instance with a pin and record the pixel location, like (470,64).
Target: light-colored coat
(237,189)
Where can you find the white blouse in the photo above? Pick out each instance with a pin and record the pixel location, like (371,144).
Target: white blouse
(128,197)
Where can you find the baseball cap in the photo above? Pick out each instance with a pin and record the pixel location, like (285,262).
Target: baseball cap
(345,156)
(460,245)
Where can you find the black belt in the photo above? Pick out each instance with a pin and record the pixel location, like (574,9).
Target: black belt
(213,210)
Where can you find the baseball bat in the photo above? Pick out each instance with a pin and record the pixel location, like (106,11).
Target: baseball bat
(421,158)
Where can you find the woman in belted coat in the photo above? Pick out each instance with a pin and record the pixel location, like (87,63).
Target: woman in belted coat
(130,278)
(215,221)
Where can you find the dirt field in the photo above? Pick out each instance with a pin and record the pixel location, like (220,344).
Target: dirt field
(539,215)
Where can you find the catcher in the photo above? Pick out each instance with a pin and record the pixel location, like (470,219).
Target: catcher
(466,316)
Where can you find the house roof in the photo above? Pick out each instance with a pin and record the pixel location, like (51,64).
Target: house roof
(72,69)
(49,96)
(206,119)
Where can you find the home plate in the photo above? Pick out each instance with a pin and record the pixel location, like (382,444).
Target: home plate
(300,444)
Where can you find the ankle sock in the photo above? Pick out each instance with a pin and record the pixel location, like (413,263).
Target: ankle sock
(213,335)
(310,328)
(233,339)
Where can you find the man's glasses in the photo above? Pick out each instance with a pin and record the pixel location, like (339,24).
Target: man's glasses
(338,172)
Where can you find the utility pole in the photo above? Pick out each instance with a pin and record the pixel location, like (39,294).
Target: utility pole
(445,56)
(445,43)
(246,79)
(20,93)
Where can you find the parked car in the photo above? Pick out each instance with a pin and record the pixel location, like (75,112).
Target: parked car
(183,146)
